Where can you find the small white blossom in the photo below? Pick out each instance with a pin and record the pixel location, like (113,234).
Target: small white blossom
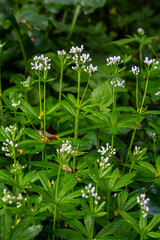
(141,31)
(118,83)
(143,204)
(114,60)
(15,104)
(89,192)
(17,168)
(151,63)
(157,93)
(135,70)
(107,150)
(90,69)
(62,52)
(137,151)
(76,49)
(25,83)
(41,63)
(103,163)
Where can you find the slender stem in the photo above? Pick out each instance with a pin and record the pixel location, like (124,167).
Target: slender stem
(145,91)
(154,149)
(76,117)
(5,210)
(130,146)
(44,109)
(108,205)
(131,167)
(40,104)
(74,20)
(56,193)
(137,92)
(85,90)
(61,79)
(1,107)
(92,227)
(140,56)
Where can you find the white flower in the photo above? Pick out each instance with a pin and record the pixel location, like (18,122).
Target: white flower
(135,70)
(62,52)
(76,49)
(41,63)
(108,150)
(117,83)
(141,31)
(157,93)
(114,60)
(151,63)
(90,69)
(143,204)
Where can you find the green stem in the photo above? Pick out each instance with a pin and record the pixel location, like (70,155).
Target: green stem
(1,107)
(61,79)
(44,109)
(145,91)
(74,20)
(56,193)
(130,146)
(140,56)
(137,92)
(154,149)
(108,205)
(40,103)
(76,117)
(85,90)
(6,222)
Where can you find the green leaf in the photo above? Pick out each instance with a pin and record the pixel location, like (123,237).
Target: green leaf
(44,181)
(33,134)
(102,95)
(124,181)
(78,226)
(153,234)
(6,178)
(89,223)
(113,179)
(123,41)
(158,164)
(112,228)
(28,109)
(131,220)
(35,19)
(149,166)
(29,233)
(45,164)
(69,108)
(52,109)
(153,223)
(64,233)
(6,231)
(69,182)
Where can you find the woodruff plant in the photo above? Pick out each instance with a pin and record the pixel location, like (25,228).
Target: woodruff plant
(76,186)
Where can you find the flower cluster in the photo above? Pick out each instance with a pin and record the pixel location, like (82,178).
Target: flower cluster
(9,198)
(66,151)
(9,144)
(90,192)
(157,93)
(16,168)
(151,64)
(11,129)
(141,31)
(15,104)
(90,69)
(41,63)
(76,50)
(103,163)
(61,53)
(9,147)
(80,59)
(118,83)
(137,151)
(143,204)
(107,150)
(135,70)
(116,60)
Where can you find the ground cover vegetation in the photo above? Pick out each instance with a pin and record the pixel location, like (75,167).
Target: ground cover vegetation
(79,114)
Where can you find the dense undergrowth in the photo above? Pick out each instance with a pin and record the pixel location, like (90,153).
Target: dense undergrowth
(80,126)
